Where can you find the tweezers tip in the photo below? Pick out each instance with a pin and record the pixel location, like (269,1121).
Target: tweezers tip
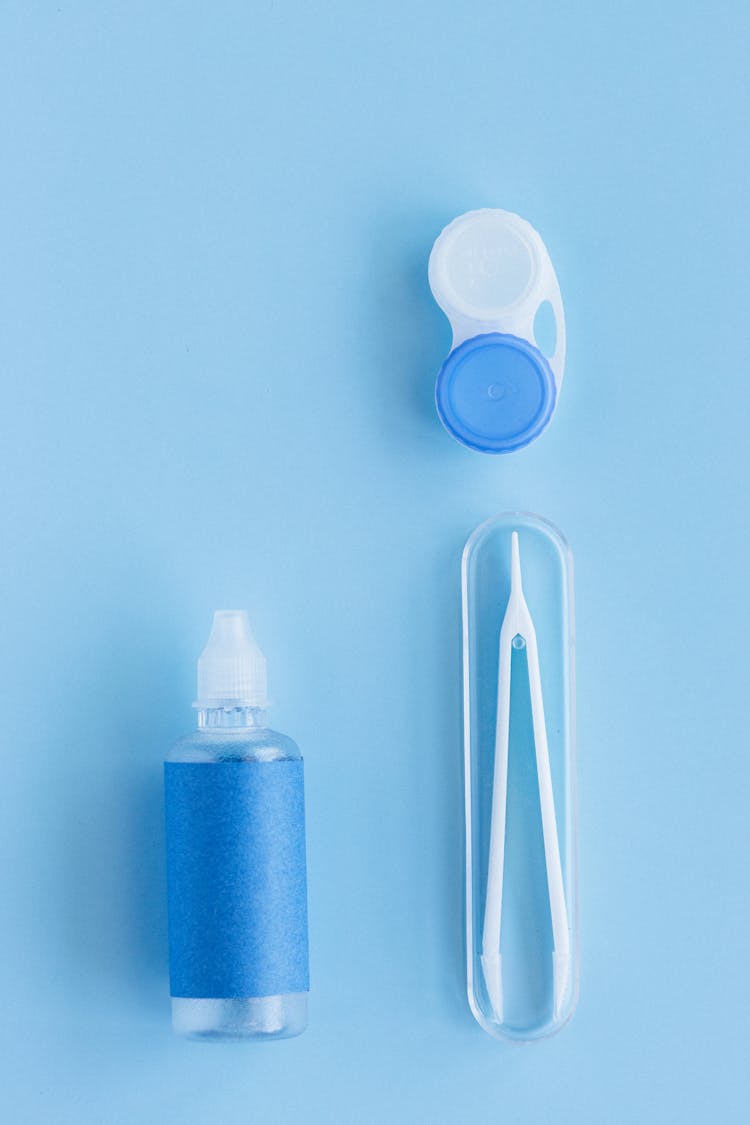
(515,562)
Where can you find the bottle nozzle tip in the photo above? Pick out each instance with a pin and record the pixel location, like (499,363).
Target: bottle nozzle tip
(231,668)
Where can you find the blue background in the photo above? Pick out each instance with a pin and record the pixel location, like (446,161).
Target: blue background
(218,351)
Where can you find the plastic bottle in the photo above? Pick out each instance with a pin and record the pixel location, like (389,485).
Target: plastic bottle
(236,855)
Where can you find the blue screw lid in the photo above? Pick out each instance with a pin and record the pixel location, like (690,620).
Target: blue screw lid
(495,393)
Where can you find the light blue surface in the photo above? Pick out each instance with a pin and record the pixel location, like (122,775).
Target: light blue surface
(218,350)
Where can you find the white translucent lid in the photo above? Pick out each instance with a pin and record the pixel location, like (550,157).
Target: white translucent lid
(490,271)
(231,668)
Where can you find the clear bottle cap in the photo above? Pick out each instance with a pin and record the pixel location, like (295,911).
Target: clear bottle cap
(231,668)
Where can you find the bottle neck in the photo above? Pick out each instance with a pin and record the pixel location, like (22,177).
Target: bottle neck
(231,718)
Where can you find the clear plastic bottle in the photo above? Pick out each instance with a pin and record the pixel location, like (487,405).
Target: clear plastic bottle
(232,729)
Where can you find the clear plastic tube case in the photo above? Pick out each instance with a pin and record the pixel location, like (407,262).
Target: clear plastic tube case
(519,761)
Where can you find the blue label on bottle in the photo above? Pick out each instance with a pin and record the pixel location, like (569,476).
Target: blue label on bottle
(236,878)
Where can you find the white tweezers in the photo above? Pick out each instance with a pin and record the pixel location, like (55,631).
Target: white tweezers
(517,623)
